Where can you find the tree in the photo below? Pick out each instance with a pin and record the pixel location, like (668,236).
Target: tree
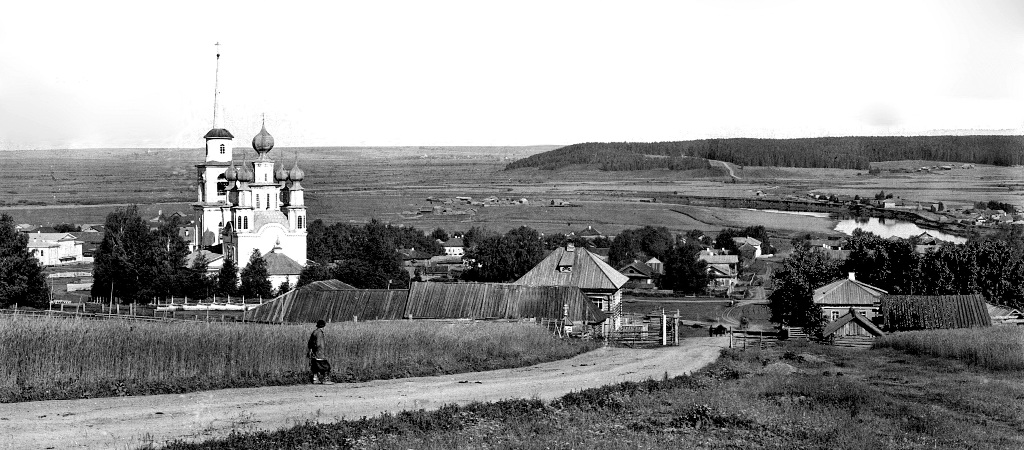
(67,228)
(439,234)
(633,244)
(505,258)
(198,283)
(283,288)
(227,278)
(21,276)
(255,279)
(684,271)
(792,302)
(126,261)
(314,272)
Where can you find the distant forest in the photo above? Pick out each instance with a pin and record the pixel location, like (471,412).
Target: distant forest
(850,152)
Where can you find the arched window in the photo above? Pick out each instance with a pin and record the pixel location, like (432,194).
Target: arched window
(222,149)
(300,222)
(246,222)
(257,201)
(239,223)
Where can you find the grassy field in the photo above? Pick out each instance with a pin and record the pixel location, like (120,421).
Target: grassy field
(996,348)
(796,396)
(47,358)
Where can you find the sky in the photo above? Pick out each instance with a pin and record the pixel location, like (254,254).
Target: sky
(141,74)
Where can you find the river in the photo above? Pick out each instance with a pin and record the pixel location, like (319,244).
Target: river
(892,227)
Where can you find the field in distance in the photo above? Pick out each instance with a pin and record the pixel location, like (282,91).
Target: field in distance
(392,183)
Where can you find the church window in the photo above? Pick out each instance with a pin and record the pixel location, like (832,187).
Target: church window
(257,201)
(222,149)
(300,222)
(239,223)
(245,221)
(268,201)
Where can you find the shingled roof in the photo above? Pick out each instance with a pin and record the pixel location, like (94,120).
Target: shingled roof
(318,300)
(848,291)
(574,267)
(917,312)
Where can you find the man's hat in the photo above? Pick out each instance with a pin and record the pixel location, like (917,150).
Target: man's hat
(320,323)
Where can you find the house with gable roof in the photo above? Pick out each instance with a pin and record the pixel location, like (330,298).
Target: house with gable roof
(849,295)
(53,249)
(575,266)
(641,275)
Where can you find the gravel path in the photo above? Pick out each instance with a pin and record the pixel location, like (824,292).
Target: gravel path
(129,422)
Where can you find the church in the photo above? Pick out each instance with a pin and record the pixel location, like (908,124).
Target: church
(252,205)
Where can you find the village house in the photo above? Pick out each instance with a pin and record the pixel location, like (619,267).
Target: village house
(641,276)
(454,247)
(52,249)
(577,267)
(588,233)
(845,295)
(724,271)
(1004,315)
(749,248)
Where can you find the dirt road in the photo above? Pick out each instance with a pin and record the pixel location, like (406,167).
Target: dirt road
(129,422)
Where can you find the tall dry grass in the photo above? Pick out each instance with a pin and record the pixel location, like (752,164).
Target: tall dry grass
(997,348)
(47,358)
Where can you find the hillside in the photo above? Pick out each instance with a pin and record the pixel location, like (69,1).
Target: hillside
(850,152)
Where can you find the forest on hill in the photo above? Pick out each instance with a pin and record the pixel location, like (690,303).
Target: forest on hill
(848,152)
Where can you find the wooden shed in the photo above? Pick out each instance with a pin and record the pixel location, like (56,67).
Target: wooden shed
(921,312)
(428,301)
(852,330)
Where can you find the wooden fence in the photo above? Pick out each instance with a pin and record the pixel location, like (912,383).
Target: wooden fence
(744,339)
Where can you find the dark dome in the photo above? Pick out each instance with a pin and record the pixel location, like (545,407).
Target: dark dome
(296,174)
(245,174)
(218,133)
(281,174)
(231,174)
(263,142)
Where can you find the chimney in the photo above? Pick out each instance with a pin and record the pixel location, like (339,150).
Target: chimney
(569,247)
(851,277)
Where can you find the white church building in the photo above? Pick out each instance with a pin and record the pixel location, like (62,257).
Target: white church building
(252,205)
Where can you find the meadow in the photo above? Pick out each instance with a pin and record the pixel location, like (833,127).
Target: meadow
(48,358)
(995,348)
(798,395)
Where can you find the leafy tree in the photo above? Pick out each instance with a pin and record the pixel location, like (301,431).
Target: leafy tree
(792,302)
(684,271)
(22,281)
(227,278)
(126,262)
(283,288)
(199,284)
(505,258)
(255,278)
(439,234)
(634,244)
(314,272)
(67,228)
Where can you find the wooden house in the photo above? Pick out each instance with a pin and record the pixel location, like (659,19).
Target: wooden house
(641,276)
(839,297)
(724,271)
(852,329)
(577,267)
(921,312)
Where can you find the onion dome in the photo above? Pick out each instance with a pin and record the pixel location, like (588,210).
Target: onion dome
(263,142)
(245,174)
(296,173)
(231,174)
(281,174)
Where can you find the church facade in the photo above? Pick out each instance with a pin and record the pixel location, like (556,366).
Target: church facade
(252,205)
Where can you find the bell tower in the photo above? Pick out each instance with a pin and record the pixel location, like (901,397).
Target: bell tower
(212,207)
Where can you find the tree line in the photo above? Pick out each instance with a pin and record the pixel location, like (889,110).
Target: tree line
(848,152)
(992,266)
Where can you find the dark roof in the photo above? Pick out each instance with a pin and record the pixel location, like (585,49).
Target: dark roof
(917,312)
(852,316)
(310,303)
(281,264)
(215,133)
(589,232)
(637,268)
(453,242)
(499,301)
(88,237)
(847,292)
(586,272)
(328,285)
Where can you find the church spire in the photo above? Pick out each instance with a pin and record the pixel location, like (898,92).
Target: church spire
(216,79)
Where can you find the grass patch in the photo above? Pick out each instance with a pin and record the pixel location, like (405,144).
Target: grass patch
(836,398)
(996,348)
(48,358)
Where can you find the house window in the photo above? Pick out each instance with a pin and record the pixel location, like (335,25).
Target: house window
(835,315)
(222,149)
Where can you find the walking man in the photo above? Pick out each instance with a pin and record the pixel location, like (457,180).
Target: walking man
(316,351)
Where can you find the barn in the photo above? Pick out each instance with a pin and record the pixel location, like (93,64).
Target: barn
(922,312)
(479,301)
(853,330)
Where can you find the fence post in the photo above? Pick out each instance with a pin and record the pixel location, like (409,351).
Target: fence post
(676,341)
(664,329)
(730,337)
